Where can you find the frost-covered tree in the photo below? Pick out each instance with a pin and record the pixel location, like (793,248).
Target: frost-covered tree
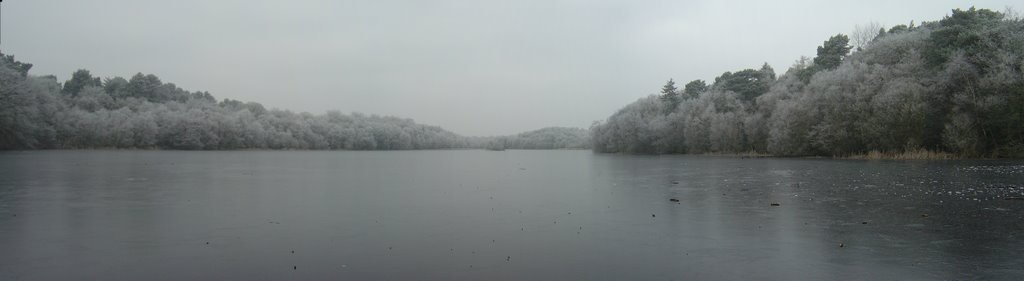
(547,138)
(955,85)
(18,67)
(144,112)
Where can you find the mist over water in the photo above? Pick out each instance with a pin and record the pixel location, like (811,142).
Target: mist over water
(513,214)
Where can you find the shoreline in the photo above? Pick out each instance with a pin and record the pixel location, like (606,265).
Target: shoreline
(872,155)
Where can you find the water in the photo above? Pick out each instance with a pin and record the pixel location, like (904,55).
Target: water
(172,215)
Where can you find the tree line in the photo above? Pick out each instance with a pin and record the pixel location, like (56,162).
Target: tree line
(545,138)
(142,112)
(955,85)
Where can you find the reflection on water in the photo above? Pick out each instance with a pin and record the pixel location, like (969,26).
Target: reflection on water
(506,215)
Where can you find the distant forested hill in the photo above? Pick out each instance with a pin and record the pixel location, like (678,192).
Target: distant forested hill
(953,86)
(548,138)
(39,112)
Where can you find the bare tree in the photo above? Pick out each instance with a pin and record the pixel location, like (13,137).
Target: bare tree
(863,34)
(1011,13)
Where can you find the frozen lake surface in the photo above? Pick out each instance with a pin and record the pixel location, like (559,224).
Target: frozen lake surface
(288,215)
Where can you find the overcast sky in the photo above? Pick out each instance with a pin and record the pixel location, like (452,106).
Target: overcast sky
(473,67)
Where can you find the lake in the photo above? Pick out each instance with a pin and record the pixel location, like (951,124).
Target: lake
(466,214)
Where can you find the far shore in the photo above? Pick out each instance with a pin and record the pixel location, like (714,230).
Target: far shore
(873,155)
